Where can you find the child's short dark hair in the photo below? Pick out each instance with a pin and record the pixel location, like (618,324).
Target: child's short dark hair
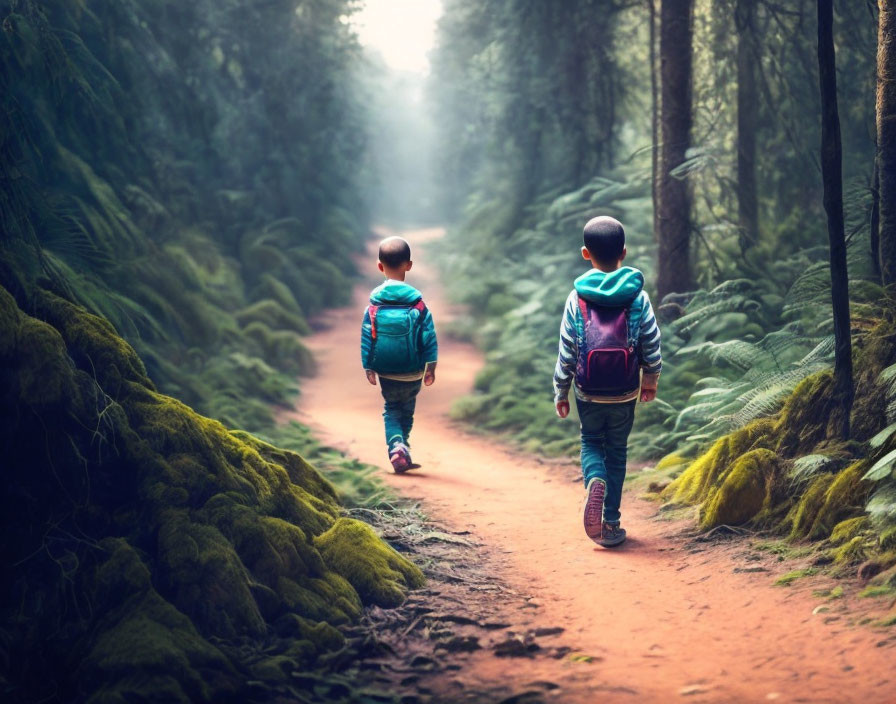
(604,238)
(394,251)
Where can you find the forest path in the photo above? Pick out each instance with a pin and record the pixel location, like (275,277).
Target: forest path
(665,619)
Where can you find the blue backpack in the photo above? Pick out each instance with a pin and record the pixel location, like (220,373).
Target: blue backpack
(396,336)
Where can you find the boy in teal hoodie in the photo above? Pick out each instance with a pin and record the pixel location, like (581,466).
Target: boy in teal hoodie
(398,344)
(610,347)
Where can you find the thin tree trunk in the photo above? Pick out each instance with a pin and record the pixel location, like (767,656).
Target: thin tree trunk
(674,271)
(886,141)
(654,121)
(875,219)
(747,107)
(832,176)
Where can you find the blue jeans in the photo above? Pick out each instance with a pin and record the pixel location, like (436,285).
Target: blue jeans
(605,430)
(401,399)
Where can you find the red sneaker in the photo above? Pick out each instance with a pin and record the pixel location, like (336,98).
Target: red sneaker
(594,508)
(400,458)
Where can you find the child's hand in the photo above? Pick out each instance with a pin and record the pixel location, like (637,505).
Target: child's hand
(429,376)
(647,394)
(562,408)
(371,376)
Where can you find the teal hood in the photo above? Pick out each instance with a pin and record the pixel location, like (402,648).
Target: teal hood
(616,288)
(394,292)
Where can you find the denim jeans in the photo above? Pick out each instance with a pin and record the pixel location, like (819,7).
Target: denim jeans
(605,430)
(401,399)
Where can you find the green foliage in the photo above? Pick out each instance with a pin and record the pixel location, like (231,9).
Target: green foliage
(807,485)
(155,540)
(177,194)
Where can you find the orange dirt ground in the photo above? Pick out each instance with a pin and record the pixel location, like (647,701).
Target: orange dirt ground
(663,622)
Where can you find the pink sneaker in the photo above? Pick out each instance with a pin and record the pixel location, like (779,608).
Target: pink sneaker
(400,458)
(594,508)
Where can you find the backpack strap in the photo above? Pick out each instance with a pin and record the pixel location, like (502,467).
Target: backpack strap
(371,310)
(583,307)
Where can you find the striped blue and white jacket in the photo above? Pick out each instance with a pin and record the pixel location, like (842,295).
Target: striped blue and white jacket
(623,287)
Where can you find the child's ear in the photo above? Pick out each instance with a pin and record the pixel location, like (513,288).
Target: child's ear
(379,265)
(622,256)
(410,264)
(586,254)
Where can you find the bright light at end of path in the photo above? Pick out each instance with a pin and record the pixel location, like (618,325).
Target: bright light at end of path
(402,31)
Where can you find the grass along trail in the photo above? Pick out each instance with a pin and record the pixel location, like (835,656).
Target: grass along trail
(662,618)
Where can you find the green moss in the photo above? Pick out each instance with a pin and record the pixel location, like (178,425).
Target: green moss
(844,497)
(379,574)
(848,529)
(875,591)
(743,490)
(671,461)
(93,343)
(786,580)
(829,594)
(803,421)
(888,538)
(195,560)
(701,477)
(851,552)
(876,351)
(144,645)
(237,538)
(802,516)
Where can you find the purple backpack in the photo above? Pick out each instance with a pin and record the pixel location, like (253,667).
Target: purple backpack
(607,364)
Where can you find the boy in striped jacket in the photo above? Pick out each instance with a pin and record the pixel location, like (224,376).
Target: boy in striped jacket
(610,348)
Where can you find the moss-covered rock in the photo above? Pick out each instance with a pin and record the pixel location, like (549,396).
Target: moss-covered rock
(743,491)
(378,573)
(142,531)
(702,477)
(847,530)
(827,503)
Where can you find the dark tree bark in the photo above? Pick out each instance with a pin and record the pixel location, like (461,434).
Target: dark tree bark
(875,219)
(654,121)
(747,108)
(832,176)
(886,142)
(674,271)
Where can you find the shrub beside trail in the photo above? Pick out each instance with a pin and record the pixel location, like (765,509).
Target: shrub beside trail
(790,474)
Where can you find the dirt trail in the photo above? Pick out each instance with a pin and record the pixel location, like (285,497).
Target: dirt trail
(665,619)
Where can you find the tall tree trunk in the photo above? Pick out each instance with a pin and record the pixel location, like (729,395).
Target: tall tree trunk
(674,271)
(886,141)
(832,176)
(654,122)
(747,106)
